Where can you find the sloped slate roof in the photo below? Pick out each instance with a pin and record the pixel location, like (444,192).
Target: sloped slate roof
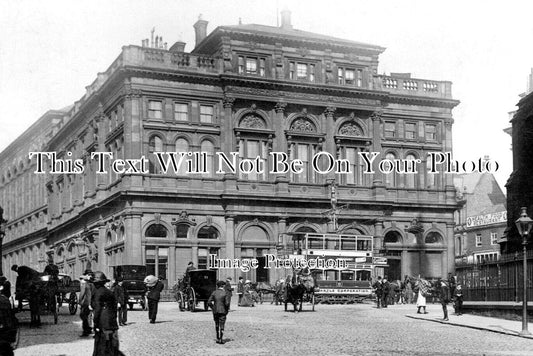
(286,33)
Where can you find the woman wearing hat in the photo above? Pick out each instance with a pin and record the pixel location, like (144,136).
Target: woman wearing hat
(247,300)
(105,318)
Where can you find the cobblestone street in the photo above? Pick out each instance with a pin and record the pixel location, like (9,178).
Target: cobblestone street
(359,329)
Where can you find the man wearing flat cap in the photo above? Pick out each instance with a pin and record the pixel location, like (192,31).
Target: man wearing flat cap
(219,302)
(105,318)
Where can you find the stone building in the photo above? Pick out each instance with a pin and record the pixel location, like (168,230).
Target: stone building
(482,220)
(254,90)
(23,196)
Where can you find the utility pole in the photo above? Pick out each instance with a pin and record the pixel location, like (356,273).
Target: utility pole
(335,210)
(2,234)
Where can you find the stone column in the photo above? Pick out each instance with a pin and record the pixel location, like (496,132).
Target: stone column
(171,265)
(133,239)
(133,129)
(102,265)
(450,242)
(230,241)
(378,237)
(332,147)
(226,135)
(376,145)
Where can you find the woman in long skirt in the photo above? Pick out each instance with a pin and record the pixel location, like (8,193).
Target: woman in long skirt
(421,299)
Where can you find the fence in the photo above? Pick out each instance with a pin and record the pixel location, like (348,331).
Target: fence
(499,281)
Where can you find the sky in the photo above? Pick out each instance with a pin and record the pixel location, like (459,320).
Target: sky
(51,50)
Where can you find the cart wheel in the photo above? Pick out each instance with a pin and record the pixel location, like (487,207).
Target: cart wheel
(313,300)
(130,305)
(206,306)
(192,300)
(73,303)
(180,298)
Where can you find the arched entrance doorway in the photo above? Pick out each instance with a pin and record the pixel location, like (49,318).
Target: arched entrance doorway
(392,242)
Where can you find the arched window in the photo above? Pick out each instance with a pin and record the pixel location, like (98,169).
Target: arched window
(109,238)
(182,145)
(390,178)
(410,178)
(156,230)
(155,144)
(208,232)
(431,178)
(433,238)
(208,148)
(392,237)
(121,234)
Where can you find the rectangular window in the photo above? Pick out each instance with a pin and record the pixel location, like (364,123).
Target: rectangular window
(390,129)
(206,113)
(155,109)
(241,65)
(346,76)
(410,130)
(302,71)
(252,65)
(251,149)
(181,112)
(478,240)
(359,82)
(431,132)
(493,238)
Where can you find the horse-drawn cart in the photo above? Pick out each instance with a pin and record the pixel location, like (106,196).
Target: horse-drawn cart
(67,292)
(194,288)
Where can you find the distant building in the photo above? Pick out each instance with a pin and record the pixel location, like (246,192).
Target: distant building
(482,220)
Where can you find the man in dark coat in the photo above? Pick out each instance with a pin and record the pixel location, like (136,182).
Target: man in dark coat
(240,290)
(118,291)
(228,289)
(386,291)
(153,295)
(443,292)
(378,289)
(219,302)
(104,306)
(8,326)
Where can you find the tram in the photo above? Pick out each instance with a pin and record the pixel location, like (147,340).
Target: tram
(348,280)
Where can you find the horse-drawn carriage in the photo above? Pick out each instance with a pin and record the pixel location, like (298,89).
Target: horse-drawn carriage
(41,292)
(196,286)
(298,289)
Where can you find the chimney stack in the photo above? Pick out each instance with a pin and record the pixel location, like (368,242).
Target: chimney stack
(179,46)
(200,27)
(286,19)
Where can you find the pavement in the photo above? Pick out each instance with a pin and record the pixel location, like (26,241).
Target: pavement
(331,330)
(497,325)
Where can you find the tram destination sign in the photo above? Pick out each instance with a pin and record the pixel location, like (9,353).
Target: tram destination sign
(487,219)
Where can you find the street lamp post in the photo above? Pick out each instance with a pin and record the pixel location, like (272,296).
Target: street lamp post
(524,224)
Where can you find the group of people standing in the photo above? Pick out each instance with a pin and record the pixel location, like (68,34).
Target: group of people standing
(108,302)
(445,291)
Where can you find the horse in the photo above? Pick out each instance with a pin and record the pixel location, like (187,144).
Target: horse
(294,292)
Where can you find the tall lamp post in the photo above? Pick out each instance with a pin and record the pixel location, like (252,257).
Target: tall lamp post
(524,224)
(2,234)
